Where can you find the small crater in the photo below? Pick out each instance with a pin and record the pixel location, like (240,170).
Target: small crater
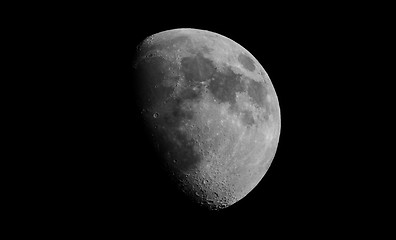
(156,115)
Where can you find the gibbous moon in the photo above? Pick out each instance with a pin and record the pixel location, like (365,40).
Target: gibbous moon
(211,111)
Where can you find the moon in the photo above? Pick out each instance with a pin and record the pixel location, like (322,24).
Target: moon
(211,111)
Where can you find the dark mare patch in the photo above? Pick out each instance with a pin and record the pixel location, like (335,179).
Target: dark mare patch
(222,85)
(190,94)
(257,92)
(176,114)
(225,85)
(185,155)
(247,118)
(246,62)
(197,68)
(175,147)
(205,49)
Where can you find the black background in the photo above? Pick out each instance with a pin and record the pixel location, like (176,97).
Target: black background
(107,176)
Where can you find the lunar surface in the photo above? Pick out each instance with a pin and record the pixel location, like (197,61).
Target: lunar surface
(211,112)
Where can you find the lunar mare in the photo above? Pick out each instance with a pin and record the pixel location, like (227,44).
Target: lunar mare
(212,111)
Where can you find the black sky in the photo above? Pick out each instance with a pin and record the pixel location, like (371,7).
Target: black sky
(306,57)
